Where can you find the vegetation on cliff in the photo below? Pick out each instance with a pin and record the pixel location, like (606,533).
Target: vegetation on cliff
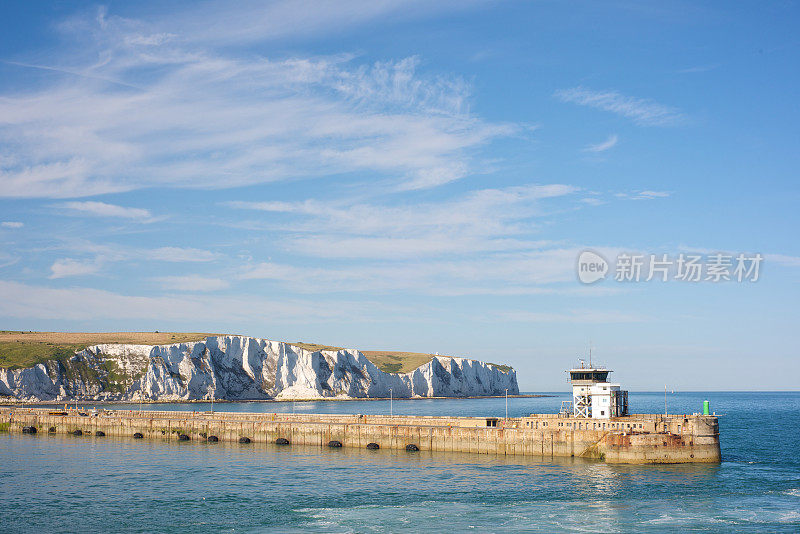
(19,350)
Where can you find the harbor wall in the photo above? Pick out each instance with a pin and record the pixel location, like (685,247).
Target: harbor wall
(644,438)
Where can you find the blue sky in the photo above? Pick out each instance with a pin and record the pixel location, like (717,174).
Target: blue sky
(408,176)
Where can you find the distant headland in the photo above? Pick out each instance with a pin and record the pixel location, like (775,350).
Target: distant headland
(171,366)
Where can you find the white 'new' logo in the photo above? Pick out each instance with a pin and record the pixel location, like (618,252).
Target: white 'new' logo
(591,267)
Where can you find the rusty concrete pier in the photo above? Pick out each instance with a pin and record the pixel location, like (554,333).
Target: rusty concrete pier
(636,439)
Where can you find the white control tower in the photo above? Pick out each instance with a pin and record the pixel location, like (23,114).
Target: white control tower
(593,396)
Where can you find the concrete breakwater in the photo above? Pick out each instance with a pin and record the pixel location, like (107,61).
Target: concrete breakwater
(640,439)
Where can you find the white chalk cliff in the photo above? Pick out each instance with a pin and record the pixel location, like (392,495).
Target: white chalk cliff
(244,368)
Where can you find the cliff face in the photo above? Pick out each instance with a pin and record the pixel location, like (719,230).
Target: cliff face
(243,368)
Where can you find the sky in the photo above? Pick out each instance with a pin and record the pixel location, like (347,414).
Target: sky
(416,176)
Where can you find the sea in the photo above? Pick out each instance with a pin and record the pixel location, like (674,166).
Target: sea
(58,483)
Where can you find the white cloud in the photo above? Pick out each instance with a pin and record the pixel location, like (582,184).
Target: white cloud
(397,83)
(114,253)
(644,195)
(375,247)
(472,244)
(641,111)
(99,257)
(699,68)
(102,209)
(434,177)
(176,254)
(531,272)
(65,267)
(782,259)
(192,283)
(205,119)
(478,221)
(154,39)
(605,145)
(25,301)
(574,316)
(11,224)
(257,21)
(530,268)
(653,194)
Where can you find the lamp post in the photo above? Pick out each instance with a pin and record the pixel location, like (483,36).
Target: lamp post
(391,414)
(210,369)
(506,403)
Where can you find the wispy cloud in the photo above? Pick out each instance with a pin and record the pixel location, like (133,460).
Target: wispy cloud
(163,110)
(652,194)
(783,259)
(115,252)
(642,111)
(11,224)
(644,195)
(66,267)
(458,276)
(479,221)
(699,68)
(435,177)
(256,21)
(176,254)
(605,145)
(474,243)
(27,301)
(548,270)
(89,258)
(102,209)
(573,316)
(192,283)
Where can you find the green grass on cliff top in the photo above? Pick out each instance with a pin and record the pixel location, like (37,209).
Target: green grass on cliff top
(25,349)
(386,361)
(390,361)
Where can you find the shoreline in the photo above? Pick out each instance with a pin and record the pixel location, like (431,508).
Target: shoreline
(17,402)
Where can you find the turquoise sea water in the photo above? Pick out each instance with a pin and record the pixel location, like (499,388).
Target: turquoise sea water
(70,484)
